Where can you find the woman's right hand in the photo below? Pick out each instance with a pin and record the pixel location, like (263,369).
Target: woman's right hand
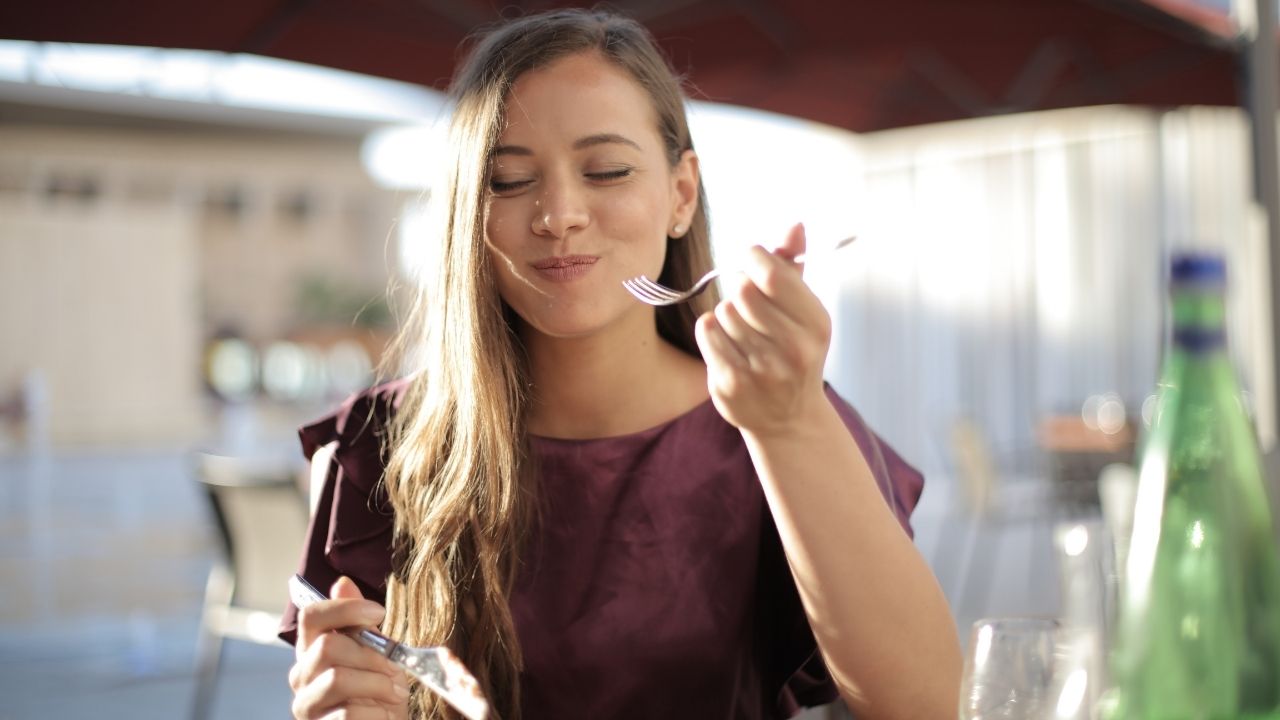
(334,677)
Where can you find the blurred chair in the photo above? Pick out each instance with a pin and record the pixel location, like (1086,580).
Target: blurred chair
(261,516)
(973,536)
(24,415)
(974,467)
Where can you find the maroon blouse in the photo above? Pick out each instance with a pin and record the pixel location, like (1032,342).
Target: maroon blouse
(655,585)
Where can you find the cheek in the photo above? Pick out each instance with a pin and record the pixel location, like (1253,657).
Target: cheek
(504,273)
(497,222)
(513,282)
(503,244)
(638,217)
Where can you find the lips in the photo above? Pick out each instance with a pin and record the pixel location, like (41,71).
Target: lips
(564,268)
(552,263)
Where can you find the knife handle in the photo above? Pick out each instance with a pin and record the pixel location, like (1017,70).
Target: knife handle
(303,593)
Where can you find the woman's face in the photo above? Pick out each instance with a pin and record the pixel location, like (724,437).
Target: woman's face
(581,196)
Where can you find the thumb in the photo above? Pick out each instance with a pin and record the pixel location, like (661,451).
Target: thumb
(346,589)
(794,244)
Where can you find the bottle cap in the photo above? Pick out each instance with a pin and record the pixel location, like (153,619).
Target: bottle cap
(1198,268)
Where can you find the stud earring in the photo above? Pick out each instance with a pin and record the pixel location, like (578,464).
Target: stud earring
(677,231)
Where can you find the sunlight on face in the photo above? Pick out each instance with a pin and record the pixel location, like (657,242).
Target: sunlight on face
(581,197)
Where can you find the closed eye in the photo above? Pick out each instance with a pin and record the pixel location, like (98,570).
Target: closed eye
(501,187)
(610,175)
(605,177)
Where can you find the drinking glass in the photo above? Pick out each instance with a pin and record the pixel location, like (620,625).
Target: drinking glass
(1009,670)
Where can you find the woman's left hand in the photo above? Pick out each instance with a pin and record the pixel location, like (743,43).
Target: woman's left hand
(766,342)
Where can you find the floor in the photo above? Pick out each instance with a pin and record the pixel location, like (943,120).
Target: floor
(103,557)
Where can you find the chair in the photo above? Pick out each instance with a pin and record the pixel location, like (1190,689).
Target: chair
(973,539)
(261,517)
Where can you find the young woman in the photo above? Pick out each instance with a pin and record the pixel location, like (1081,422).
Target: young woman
(607,510)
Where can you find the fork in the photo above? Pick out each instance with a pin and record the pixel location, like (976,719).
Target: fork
(648,291)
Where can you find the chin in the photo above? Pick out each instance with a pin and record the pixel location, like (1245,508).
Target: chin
(564,328)
(557,319)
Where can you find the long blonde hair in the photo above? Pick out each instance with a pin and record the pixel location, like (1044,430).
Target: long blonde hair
(458,474)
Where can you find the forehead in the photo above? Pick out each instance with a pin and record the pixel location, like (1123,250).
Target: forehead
(576,96)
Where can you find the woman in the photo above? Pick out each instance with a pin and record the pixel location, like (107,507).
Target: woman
(608,510)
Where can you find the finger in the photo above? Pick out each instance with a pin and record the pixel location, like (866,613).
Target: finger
(356,712)
(329,615)
(779,281)
(761,313)
(336,649)
(345,587)
(336,614)
(794,244)
(716,347)
(340,687)
(750,342)
(360,712)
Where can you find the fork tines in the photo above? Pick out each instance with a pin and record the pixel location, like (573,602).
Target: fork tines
(651,292)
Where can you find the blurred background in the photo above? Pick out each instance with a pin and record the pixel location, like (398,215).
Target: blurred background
(208,217)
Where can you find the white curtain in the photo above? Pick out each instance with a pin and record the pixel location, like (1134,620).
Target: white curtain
(1009,268)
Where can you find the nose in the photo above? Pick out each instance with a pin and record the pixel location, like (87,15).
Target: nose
(561,209)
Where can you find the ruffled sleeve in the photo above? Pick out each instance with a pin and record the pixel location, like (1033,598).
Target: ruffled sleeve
(794,662)
(351,527)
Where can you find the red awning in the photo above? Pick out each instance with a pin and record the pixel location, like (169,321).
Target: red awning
(861,64)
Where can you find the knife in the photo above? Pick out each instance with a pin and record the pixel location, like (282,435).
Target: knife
(436,667)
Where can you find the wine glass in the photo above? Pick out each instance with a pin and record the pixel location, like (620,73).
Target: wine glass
(1009,670)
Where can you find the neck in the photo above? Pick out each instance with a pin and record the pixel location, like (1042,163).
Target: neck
(616,382)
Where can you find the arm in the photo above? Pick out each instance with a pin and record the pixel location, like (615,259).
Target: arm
(876,611)
(875,608)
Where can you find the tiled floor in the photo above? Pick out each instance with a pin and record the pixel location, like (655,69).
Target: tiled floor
(103,558)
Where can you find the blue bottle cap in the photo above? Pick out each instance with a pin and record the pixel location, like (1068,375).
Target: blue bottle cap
(1198,268)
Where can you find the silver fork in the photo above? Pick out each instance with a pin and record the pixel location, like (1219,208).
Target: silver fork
(648,291)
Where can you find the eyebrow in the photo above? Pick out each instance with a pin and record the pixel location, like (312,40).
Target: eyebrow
(579,144)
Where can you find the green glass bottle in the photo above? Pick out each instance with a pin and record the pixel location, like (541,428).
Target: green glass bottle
(1198,632)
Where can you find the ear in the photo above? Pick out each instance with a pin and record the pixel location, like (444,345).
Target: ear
(684,193)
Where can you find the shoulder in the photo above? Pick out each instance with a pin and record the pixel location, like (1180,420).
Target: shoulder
(355,434)
(361,420)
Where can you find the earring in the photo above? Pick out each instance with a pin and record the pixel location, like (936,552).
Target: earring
(677,231)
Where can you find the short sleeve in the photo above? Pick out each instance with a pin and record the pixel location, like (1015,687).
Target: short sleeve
(792,660)
(351,527)
(900,483)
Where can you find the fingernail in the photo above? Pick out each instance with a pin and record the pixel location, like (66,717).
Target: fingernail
(402,690)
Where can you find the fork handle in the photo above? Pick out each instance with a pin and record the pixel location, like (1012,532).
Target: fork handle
(804,256)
